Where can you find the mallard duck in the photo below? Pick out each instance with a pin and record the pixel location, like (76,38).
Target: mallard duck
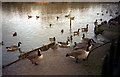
(14,47)
(29,17)
(80,54)
(96,23)
(14,34)
(77,32)
(64,44)
(35,57)
(52,39)
(85,29)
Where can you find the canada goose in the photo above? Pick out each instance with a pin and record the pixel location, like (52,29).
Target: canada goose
(29,17)
(1,43)
(77,32)
(14,47)
(57,17)
(85,39)
(55,47)
(80,54)
(64,44)
(14,34)
(100,19)
(67,15)
(85,29)
(96,23)
(68,38)
(52,39)
(62,31)
(37,17)
(36,57)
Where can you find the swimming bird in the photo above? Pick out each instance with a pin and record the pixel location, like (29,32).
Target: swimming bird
(80,55)
(57,17)
(14,34)
(37,17)
(77,32)
(14,47)
(87,40)
(50,25)
(85,29)
(35,57)
(71,37)
(67,15)
(64,44)
(29,17)
(52,39)
(96,23)
(62,31)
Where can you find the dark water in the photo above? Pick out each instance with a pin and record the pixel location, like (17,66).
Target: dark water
(33,32)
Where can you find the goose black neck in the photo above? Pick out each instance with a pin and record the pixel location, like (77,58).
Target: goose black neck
(39,54)
(18,44)
(83,36)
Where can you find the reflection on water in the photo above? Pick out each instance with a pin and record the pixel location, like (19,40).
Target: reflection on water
(34,32)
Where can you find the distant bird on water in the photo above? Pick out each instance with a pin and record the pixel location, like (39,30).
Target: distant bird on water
(15,34)
(29,17)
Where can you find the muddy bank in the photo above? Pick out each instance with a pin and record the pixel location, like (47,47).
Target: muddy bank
(56,63)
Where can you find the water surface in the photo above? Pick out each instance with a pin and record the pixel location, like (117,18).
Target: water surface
(33,32)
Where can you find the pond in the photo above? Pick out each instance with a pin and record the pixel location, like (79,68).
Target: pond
(34,32)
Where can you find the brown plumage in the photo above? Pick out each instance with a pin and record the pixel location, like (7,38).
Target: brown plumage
(34,58)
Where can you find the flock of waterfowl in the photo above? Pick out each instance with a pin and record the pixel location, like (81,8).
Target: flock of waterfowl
(79,53)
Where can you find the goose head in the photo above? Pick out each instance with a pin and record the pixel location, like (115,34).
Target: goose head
(19,44)
(83,36)
(78,30)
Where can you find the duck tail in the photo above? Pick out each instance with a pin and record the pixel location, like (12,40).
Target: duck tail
(67,55)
